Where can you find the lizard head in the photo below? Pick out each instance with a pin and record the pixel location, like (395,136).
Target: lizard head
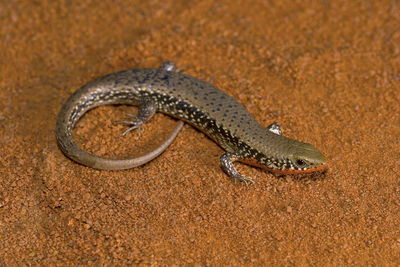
(305,158)
(299,158)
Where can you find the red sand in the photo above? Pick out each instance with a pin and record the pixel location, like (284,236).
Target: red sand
(328,71)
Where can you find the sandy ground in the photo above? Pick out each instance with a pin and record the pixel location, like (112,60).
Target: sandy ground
(328,71)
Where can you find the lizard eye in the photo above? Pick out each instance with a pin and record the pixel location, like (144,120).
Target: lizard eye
(300,163)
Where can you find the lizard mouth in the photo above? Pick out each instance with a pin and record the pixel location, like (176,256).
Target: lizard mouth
(255,163)
(290,171)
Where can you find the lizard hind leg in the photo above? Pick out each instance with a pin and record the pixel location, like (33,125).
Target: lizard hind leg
(147,108)
(146,111)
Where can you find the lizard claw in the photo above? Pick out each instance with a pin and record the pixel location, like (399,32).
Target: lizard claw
(135,123)
(244,179)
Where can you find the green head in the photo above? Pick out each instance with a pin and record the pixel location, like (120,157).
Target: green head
(300,158)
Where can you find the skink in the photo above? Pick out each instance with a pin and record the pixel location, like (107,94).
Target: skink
(198,103)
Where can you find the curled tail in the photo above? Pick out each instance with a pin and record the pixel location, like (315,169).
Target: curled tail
(107,90)
(71,150)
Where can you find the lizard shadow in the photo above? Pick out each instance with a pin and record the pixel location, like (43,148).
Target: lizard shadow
(306,177)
